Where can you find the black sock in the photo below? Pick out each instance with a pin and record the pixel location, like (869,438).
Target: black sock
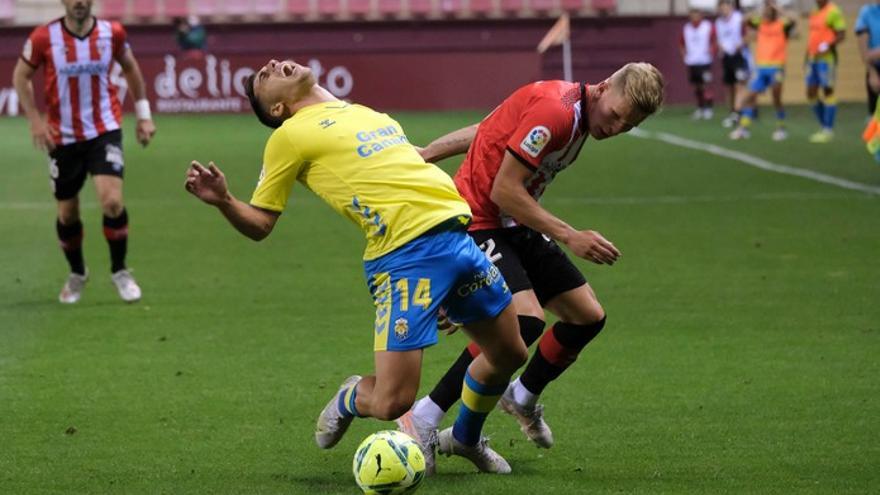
(558,349)
(116,233)
(448,390)
(71,237)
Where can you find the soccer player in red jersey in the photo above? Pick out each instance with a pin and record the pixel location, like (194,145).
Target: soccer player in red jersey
(512,156)
(82,133)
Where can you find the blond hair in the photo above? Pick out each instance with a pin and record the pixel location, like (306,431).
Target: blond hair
(642,84)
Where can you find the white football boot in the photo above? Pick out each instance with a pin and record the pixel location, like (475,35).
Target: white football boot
(425,435)
(126,286)
(72,290)
(531,421)
(483,457)
(331,423)
(739,134)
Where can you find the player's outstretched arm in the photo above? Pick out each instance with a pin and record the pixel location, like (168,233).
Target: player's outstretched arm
(454,143)
(510,194)
(145,128)
(41,133)
(209,185)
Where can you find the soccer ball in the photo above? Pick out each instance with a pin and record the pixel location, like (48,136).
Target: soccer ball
(388,463)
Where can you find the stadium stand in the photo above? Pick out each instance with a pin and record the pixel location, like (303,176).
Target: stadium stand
(205,8)
(114,9)
(267,8)
(175,8)
(299,9)
(31,12)
(7,11)
(145,9)
(360,8)
(482,8)
(237,9)
(421,8)
(330,9)
(390,8)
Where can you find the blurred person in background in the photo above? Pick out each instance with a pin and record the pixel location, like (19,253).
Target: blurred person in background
(867,30)
(827,28)
(771,31)
(698,47)
(730,31)
(513,155)
(82,134)
(191,35)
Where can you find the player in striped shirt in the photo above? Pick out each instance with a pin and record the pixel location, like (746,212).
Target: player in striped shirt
(82,132)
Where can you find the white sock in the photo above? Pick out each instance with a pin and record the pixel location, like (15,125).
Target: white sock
(428,412)
(522,396)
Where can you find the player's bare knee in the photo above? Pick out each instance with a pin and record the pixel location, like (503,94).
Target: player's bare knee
(68,212)
(112,207)
(512,358)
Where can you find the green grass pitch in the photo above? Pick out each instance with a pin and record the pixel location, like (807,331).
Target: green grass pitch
(741,353)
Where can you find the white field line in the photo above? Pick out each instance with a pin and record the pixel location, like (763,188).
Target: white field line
(755,161)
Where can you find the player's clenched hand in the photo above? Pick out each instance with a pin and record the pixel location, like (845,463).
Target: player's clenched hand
(145,130)
(207,184)
(43,135)
(590,245)
(444,324)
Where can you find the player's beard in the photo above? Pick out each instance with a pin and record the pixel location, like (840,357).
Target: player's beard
(80,13)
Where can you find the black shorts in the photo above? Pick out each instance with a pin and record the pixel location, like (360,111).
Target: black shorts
(734,68)
(69,164)
(699,74)
(529,260)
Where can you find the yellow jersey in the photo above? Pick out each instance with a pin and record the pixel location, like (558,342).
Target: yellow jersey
(361,163)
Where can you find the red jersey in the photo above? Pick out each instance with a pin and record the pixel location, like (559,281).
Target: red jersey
(81,100)
(543,125)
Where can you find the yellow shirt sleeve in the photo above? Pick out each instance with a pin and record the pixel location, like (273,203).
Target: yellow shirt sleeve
(282,163)
(836,20)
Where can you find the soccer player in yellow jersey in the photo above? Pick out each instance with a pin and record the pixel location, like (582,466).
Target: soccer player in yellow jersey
(827,29)
(771,32)
(418,260)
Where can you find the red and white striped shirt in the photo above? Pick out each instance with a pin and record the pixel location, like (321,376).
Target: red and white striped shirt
(82,102)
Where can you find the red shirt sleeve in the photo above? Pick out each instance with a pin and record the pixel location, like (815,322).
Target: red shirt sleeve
(543,128)
(119,39)
(36,47)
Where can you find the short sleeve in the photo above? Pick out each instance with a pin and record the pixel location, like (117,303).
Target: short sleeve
(35,47)
(119,39)
(282,163)
(861,24)
(836,21)
(544,127)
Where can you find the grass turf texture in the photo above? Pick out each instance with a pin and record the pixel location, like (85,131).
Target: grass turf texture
(740,354)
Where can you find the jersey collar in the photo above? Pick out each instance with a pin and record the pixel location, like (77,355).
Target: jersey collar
(83,37)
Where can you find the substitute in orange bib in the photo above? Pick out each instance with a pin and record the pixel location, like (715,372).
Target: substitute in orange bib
(827,30)
(771,32)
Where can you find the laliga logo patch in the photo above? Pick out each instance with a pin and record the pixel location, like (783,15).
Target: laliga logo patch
(401,328)
(262,175)
(535,141)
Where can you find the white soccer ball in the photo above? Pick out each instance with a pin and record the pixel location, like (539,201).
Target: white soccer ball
(388,463)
